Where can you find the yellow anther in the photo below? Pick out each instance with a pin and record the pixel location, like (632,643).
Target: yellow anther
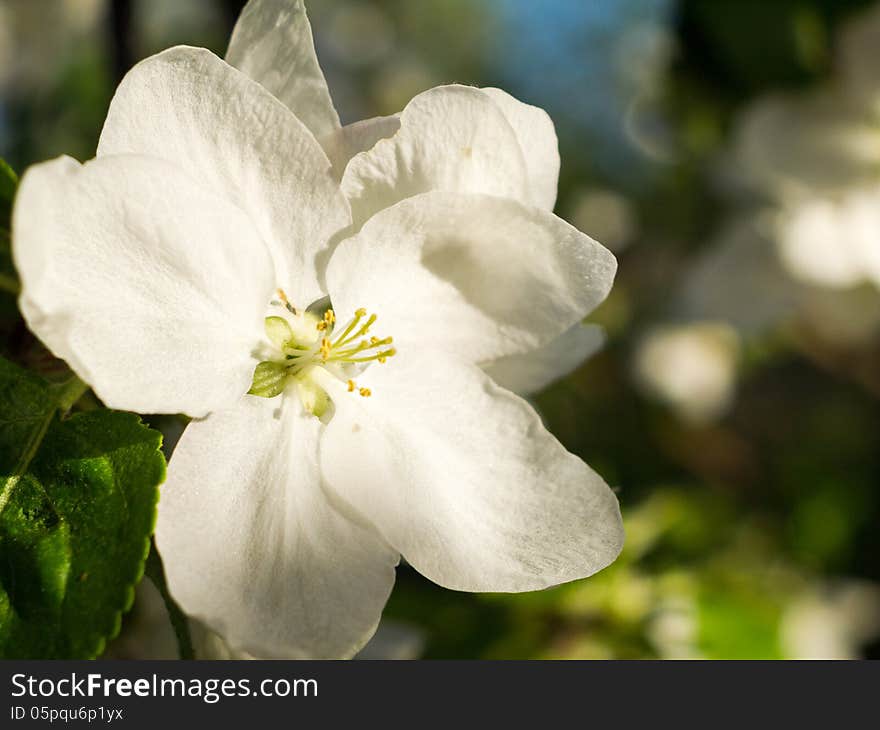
(285,301)
(321,326)
(325,348)
(360,312)
(329,317)
(365,327)
(374,340)
(365,392)
(351,386)
(382,359)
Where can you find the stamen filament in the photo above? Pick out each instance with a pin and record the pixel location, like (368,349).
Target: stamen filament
(360,333)
(351,325)
(377,356)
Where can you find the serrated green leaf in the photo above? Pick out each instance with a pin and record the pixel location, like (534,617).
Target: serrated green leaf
(77,508)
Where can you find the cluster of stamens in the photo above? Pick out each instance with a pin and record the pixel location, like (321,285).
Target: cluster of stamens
(301,350)
(351,346)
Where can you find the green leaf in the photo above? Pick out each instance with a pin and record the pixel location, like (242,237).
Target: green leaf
(77,507)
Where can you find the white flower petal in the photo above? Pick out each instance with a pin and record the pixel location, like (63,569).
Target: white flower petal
(537,140)
(461,477)
(478,275)
(343,144)
(252,546)
(151,288)
(187,106)
(451,138)
(531,372)
(272,43)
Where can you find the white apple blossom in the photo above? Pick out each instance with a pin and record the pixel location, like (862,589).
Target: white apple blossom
(206,262)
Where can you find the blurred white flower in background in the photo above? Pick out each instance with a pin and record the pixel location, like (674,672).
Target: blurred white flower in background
(816,158)
(674,627)
(833,241)
(691,367)
(740,279)
(789,146)
(832,622)
(800,252)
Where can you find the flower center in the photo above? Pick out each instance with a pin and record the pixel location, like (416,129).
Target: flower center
(304,342)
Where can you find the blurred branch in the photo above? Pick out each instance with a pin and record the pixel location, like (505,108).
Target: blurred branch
(8,283)
(859,368)
(231,10)
(119,31)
